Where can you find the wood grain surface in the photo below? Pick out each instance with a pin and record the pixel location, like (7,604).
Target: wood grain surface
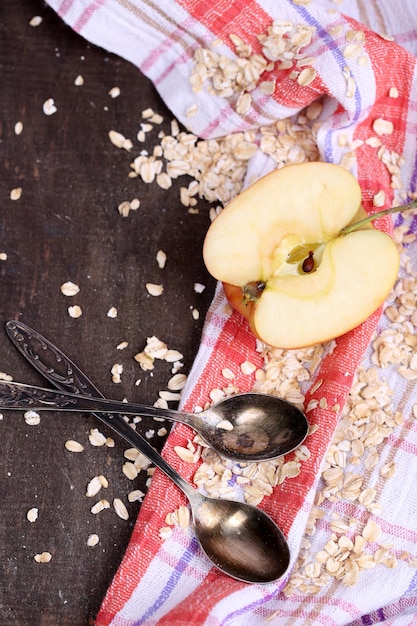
(66,227)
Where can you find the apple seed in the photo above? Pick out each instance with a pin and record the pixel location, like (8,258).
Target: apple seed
(309,263)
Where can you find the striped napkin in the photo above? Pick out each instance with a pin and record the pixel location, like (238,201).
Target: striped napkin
(350,513)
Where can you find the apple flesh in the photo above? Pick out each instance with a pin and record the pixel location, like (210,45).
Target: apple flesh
(286,264)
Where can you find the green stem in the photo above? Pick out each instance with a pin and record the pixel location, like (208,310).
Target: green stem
(370,218)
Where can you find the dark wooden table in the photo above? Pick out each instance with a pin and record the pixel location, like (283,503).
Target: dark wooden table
(66,227)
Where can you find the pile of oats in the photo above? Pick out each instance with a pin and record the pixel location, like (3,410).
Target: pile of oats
(216,168)
(369,418)
(281,48)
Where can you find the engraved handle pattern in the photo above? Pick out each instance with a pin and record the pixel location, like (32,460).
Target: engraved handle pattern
(47,359)
(16,395)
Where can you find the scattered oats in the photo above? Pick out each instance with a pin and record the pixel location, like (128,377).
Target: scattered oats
(267,87)
(373,142)
(3,256)
(312,429)
(379,199)
(32,514)
(179,517)
(393,92)
(93,540)
(116,372)
(245,150)
(120,140)
(156,348)
(352,50)
(161,259)
(124,208)
(187,455)
(131,454)
(225,425)
(112,312)
(306,76)
(146,361)
(177,382)
(32,418)
(161,432)
(164,180)
(147,113)
(383,127)
(171,356)
(110,442)
(154,289)
(351,87)
(96,438)
(142,462)
(95,485)
(122,345)
(195,313)
(120,509)
(247,367)
(175,129)
(165,533)
(199,287)
(388,470)
(74,446)
(18,128)
(244,103)
(130,470)
(372,531)
(75,311)
(169,396)
(114,92)
(135,496)
(156,118)
(191,111)
(216,395)
(16,193)
(100,506)
(323,403)
(79,81)
(69,289)
(49,107)
(227,373)
(44,557)
(35,20)
(134,204)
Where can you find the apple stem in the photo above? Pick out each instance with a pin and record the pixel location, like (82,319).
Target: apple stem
(370,218)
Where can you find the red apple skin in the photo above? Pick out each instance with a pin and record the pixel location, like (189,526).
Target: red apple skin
(235,298)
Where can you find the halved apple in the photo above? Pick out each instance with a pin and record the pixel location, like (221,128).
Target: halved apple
(287,263)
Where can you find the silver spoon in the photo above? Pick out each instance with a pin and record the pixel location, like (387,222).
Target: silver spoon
(240,539)
(243,427)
